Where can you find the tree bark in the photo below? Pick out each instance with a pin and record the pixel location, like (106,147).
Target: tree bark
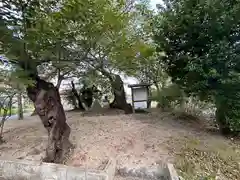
(59,82)
(48,105)
(119,101)
(75,93)
(20,107)
(87,95)
(74,103)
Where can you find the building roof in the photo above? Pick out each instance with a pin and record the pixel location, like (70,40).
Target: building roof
(139,85)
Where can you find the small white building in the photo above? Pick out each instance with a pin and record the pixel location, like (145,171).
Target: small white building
(140,96)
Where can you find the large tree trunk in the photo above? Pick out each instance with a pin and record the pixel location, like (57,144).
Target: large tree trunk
(119,101)
(75,93)
(48,105)
(87,95)
(59,82)
(74,102)
(20,106)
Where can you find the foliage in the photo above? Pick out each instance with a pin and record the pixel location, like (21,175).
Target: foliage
(9,111)
(200,39)
(69,38)
(169,96)
(91,81)
(192,106)
(150,68)
(6,101)
(94,78)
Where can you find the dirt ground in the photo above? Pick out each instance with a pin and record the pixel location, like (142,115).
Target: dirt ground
(137,140)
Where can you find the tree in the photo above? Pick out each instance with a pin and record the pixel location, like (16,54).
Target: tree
(150,68)
(6,101)
(20,106)
(201,43)
(95,78)
(77,95)
(114,48)
(23,43)
(119,101)
(68,35)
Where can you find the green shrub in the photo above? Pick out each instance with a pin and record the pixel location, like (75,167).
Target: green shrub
(172,97)
(228,109)
(203,53)
(169,96)
(13,111)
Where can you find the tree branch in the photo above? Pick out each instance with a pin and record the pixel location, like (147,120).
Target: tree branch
(60,78)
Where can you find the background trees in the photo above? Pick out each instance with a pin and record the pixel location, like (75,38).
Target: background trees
(188,50)
(188,46)
(6,101)
(201,42)
(47,39)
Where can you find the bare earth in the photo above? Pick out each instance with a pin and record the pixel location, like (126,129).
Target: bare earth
(138,140)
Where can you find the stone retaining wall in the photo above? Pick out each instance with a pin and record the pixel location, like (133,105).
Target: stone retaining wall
(35,170)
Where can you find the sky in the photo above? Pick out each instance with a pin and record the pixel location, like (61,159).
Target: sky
(154,2)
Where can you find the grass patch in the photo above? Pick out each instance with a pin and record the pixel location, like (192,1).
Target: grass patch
(198,160)
(14,111)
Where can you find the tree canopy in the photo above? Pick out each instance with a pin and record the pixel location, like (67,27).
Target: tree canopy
(45,39)
(195,43)
(71,35)
(201,42)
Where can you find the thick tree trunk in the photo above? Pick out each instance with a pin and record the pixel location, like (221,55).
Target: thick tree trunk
(87,95)
(59,82)
(74,103)
(75,93)
(20,107)
(119,101)
(48,105)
